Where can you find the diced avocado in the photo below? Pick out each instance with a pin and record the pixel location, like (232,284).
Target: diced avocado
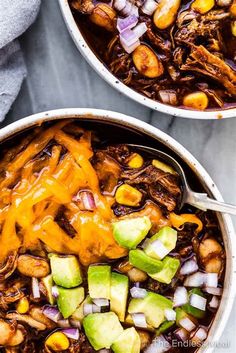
(153,306)
(102,329)
(99,281)
(170,267)
(199,314)
(79,312)
(139,259)
(119,294)
(69,300)
(128,342)
(130,232)
(168,237)
(164,327)
(65,270)
(48,284)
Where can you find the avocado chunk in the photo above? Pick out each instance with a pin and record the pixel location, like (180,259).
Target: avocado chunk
(69,300)
(99,281)
(139,259)
(153,306)
(130,232)
(189,309)
(65,270)
(119,294)
(167,236)
(170,267)
(102,329)
(48,284)
(128,342)
(79,312)
(164,327)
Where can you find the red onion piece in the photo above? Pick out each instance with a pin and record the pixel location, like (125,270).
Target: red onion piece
(149,7)
(131,48)
(187,324)
(170,315)
(197,301)
(130,9)
(158,345)
(180,296)
(211,280)
(86,200)
(126,23)
(55,292)
(35,288)
(139,320)
(119,5)
(189,267)
(213,291)
(88,309)
(181,334)
(140,29)
(52,313)
(214,303)
(104,350)
(195,280)
(96,309)
(71,333)
(200,335)
(64,323)
(138,293)
(75,323)
(100,302)
(128,37)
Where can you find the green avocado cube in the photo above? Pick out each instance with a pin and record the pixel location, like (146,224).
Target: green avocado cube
(99,281)
(128,342)
(164,327)
(170,267)
(130,232)
(139,259)
(189,309)
(167,236)
(65,270)
(119,294)
(69,299)
(102,329)
(48,284)
(79,312)
(153,306)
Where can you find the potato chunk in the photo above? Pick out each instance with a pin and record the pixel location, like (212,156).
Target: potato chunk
(203,6)
(166,13)
(196,100)
(211,255)
(146,62)
(104,15)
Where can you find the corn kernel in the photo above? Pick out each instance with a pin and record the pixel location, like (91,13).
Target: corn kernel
(57,341)
(22,306)
(136,161)
(233,28)
(196,100)
(203,6)
(160,165)
(128,196)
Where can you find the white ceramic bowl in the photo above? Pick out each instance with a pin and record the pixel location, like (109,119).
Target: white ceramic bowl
(154,137)
(102,70)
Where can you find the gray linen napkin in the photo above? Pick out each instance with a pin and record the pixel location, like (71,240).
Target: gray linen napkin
(15,17)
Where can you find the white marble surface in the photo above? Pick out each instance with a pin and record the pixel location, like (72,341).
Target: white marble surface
(59,77)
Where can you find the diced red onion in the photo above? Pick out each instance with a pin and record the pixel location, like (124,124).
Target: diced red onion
(96,309)
(119,4)
(139,320)
(52,313)
(104,350)
(87,200)
(149,7)
(187,324)
(65,323)
(170,314)
(197,301)
(138,293)
(195,280)
(75,323)
(211,280)
(130,9)
(88,309)
(128,37)
(35,288)
(159,249)
(214,303)
(137,284)
(213,291)
(200,334)
(55,292)
(181,334)
(158,345)
(126,23)
(140,29)
(101,302)
(189,267)
(71,333)
(180,296)
(131,48)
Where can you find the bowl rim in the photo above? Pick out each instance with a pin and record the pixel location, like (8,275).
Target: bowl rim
(104,73)
(115,118)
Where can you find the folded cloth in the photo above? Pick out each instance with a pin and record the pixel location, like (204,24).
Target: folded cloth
(15,17)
